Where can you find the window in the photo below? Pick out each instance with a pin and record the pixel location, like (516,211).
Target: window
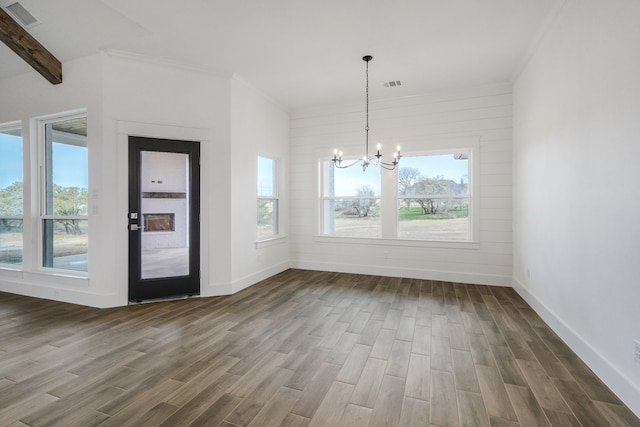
(268,203)
(11,220)
(65,198)
(350,201)
(429,197)
(433,197)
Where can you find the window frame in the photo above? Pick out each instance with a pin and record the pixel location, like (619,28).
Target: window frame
(43,216)
(470,151)
(9,126)
(273,198)
(389,195)
(326,198)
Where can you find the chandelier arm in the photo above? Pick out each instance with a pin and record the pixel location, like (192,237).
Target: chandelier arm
(339,164)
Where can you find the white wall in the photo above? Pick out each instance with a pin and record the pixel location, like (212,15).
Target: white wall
(259,127)
(576,199)
(417,123)
(24,97)
(126,95)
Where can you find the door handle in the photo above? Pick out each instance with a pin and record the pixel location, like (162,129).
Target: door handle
(134,227)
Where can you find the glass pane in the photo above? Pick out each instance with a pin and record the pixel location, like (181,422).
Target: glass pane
(66,167)
(266,177)
(267,218)
(445,174)
(66,244)
(352,217)
(352,181)
(11,172)
(11,241)
(433,219)
(164,217)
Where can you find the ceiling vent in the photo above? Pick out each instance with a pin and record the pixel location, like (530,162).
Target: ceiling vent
(393,83)
(22,15)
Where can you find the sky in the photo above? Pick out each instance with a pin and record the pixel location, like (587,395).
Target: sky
(10,159)
(348,180)
(69,163)
(70,166)
(265,176)
(439,165)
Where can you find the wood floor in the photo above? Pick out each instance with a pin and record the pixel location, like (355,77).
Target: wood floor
(299,349)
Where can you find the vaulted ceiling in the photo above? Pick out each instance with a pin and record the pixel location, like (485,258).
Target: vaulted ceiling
(303,52)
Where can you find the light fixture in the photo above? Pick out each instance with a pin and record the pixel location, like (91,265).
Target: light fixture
(367,160)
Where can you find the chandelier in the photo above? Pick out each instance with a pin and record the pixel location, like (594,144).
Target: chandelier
(367,160)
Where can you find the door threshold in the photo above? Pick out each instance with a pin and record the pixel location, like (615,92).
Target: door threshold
(162,299)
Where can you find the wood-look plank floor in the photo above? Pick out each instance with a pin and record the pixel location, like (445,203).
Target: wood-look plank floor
(299,349)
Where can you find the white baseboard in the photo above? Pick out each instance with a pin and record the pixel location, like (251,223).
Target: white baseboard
(445,276)
(81,296)
(220,289)
(602,367)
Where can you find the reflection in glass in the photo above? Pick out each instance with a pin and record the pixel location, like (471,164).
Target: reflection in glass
(66,244)
(164,224)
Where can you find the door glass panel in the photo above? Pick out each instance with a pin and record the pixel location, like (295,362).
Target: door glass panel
(164,219)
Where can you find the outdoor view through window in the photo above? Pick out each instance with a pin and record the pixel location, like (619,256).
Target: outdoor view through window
(11,194)
(267,209)
(433,197)
(64,219)
(351,201)
(432,201)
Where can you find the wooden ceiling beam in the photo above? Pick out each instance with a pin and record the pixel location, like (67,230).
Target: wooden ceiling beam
(28,48)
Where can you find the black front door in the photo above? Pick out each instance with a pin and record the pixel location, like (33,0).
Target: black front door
(164,211)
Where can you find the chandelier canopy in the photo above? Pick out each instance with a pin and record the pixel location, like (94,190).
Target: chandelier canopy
(375,159)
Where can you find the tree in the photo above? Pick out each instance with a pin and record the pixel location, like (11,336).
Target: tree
(11,199)
(70,201)
(407,178)
(428,186)
(265,212)
(11,205)
(363,207)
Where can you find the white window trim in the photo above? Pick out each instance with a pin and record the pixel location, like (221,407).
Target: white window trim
(389,195)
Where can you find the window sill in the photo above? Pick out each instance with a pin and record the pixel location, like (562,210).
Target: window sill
(59,277)
(271,242)
(398,242)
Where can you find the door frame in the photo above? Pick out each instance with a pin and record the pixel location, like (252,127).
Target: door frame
(164,287)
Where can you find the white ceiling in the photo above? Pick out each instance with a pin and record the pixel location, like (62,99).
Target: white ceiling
(303,52)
